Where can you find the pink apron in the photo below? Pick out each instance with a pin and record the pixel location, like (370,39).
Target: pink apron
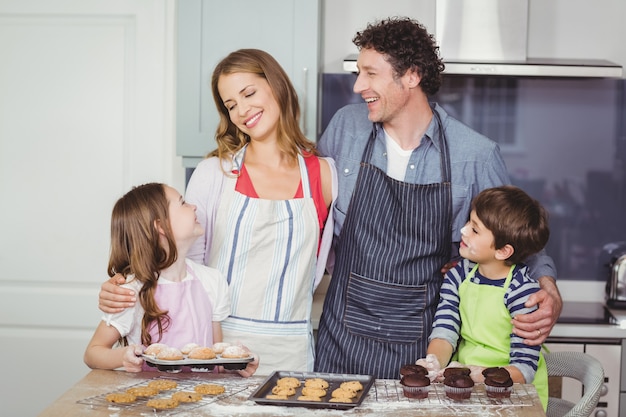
(190,311)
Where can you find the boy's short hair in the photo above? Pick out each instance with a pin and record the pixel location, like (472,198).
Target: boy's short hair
(514,218)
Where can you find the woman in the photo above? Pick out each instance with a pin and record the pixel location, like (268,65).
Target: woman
(264,198)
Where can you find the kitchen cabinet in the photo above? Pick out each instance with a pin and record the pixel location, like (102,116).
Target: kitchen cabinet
(209,29)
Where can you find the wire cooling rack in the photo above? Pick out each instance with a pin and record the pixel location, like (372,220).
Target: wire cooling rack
(387,390)
(231,388)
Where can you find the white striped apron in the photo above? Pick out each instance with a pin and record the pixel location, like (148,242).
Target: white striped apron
(267,250)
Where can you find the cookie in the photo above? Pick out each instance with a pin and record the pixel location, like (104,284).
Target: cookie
(121,398)
(143,391)
(316,383)
(343,393)
(288,381)
(283,390)
(352,385)
(340,400)
(162,403)
(276,397)
(163,384)
(187,396)
(209,389)
(308,398)
(313,392)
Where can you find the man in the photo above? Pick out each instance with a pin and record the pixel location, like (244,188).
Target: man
(407,175)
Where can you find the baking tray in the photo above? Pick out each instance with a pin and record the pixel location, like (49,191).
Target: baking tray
(334,381)
(197,364)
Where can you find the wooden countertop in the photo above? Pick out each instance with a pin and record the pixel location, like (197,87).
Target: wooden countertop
(384,398)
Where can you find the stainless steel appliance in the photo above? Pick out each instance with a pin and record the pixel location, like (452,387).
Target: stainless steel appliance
(490,37)
(613,266)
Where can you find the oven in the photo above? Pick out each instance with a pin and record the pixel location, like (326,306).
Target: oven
(609,351)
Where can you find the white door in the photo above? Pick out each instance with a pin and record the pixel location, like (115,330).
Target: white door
(86,111)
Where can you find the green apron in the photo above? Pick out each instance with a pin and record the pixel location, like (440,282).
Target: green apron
(486,328)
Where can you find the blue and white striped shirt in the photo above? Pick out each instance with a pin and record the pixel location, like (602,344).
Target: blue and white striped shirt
(447,323)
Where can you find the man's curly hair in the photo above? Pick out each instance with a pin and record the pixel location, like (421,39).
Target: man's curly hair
(406,45)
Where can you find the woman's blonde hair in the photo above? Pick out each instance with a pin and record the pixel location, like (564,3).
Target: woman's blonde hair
(136,248)
(229,138)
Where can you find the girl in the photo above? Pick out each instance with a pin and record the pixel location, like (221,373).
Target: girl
(152,229)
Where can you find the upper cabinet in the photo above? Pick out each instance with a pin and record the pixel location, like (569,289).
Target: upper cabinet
(208,30)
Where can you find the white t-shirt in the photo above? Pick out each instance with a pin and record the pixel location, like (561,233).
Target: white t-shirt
(397,158)
(128,322)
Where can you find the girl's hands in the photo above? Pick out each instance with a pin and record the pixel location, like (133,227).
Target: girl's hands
(132,360)
(250,368)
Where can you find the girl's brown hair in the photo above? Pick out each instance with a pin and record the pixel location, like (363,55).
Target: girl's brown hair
(136,248)
(229,138)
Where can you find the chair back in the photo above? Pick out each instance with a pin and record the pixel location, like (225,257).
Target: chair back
(586,369)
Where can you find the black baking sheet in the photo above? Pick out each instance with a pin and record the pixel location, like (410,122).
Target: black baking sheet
(334,381)
(208,364)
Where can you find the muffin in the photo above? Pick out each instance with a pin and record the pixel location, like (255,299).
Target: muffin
(202,352)
(458,386)
(412,369)
(498,382)
(415,385)
(235,351)
(456,371)
(154,349)
(220,346)
(188,347)
(170,354)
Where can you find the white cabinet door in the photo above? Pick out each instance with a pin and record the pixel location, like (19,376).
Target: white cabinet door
(85,114)
(208,30)
(610,358)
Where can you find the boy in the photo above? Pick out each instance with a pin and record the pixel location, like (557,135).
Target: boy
(489,287)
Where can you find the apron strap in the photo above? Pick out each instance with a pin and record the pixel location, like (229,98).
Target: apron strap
(439,137)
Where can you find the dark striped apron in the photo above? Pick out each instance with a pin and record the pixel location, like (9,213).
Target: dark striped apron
(382,297)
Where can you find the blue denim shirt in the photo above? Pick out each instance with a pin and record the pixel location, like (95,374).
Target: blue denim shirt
(475,162)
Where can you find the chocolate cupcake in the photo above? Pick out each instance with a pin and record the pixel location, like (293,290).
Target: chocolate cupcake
(458,386)
(415,385)
(456,371)
(498,382)
(412,369)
